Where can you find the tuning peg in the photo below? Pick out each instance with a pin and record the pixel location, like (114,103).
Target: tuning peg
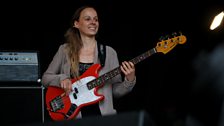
(180,33)
(161,38)
(167,36)
(174,34)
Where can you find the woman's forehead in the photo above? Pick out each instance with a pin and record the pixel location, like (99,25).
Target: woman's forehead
(88,12)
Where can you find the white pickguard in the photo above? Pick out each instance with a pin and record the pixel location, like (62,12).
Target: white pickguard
(84,95)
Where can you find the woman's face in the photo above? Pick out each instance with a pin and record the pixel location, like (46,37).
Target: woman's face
(88,22)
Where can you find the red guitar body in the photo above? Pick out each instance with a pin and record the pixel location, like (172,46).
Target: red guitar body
(65,107)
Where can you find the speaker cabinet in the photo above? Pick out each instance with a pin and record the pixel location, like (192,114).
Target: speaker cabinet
(21,105)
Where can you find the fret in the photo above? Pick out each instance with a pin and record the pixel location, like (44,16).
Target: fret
(99,81)
(106,77)
(89,85)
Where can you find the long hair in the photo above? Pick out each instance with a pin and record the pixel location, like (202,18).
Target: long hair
(74,42)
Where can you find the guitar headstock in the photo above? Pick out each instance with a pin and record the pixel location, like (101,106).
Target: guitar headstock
(168,44)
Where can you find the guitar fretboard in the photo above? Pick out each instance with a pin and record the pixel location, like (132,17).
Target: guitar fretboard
(109,75)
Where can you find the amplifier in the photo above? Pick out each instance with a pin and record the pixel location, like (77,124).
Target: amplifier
(19,66)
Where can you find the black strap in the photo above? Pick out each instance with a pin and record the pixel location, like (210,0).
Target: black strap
(101,53)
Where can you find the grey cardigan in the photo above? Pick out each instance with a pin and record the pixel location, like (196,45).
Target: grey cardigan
(59,69)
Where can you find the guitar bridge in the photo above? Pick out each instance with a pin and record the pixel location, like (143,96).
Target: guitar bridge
(57,104)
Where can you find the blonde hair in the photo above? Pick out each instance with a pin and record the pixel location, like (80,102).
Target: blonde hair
(74,42)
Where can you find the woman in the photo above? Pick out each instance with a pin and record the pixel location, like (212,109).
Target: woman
(78,53)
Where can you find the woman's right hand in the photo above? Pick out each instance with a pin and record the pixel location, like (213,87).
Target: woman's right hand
(66,84)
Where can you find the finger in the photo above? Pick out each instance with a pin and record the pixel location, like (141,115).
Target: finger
(124,65)
(65,84)
(127,65)
(62,85)
(123,70)
(126,71)
(70,87)
(132,65)
(67,92)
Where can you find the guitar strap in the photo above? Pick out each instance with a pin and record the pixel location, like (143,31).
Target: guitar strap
(101,53)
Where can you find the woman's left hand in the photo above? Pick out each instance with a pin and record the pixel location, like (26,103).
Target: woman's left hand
(128,68)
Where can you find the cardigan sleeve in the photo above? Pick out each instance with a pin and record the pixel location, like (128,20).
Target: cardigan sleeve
(54,73)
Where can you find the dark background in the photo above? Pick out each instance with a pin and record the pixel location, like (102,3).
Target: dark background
(166,86)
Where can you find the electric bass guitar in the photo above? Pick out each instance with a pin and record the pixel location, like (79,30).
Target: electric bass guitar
(64,107)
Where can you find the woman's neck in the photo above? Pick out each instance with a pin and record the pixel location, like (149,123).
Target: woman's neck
(88,42)
(87,51)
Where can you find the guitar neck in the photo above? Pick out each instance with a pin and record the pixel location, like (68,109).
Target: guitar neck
(143,56)
(109,75)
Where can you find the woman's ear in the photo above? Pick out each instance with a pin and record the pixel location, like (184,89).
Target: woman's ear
(75,24)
